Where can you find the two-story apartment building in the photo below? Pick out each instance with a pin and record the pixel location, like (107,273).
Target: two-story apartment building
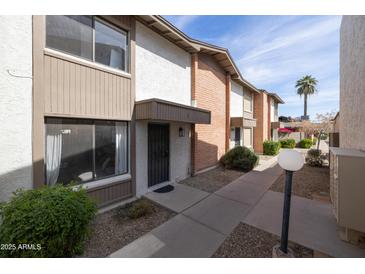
(120,105)
(242,115)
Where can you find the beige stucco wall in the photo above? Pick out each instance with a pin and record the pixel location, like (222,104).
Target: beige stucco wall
(352,82)
(15,104)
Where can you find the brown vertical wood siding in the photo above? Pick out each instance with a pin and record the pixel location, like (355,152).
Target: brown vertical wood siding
(67,86)
(111,193)
(76,90)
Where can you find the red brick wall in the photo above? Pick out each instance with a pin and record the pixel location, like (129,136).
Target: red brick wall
(210,94)
(269,117)
(258,130)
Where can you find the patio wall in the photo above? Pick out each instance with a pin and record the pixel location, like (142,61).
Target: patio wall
(352,82)
(16,104)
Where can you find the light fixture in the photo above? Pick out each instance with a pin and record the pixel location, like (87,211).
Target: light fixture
(181,132)
(290,160)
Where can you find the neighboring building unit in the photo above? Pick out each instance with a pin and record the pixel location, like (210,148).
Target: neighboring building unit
(348,160)
(242,115)
(267,118)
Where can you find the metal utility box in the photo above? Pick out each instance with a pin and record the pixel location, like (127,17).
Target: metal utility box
(347,187)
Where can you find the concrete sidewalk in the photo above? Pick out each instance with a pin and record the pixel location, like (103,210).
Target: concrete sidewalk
(312,224)
(204,219)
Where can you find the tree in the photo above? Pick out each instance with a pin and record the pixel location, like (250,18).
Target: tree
(306,86)
(325,122)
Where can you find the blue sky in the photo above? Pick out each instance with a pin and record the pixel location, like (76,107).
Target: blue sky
(272,52)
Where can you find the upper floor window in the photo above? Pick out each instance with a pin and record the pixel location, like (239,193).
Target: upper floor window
(90,38)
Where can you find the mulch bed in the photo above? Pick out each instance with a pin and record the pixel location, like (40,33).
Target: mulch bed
(113,229)
(213,180)
(249,242)
(309,182)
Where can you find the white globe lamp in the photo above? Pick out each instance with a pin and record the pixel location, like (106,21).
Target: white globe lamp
(290,160)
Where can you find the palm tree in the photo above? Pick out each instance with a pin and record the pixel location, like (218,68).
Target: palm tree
(306,86)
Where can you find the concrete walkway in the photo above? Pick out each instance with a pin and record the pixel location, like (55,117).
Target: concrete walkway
(312,224)
(204,219)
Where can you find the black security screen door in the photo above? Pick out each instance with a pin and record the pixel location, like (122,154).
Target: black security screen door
(158,153)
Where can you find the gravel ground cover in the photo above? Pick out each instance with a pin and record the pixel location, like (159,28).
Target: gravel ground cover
(213,180)
(249,242)
(113,229)
(309,182)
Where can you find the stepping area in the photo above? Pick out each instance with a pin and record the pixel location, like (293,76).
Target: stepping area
(181,198)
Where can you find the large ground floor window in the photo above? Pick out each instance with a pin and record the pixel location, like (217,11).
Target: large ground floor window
(79,150)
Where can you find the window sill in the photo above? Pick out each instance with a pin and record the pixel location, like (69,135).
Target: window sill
(104,182)
(84,62)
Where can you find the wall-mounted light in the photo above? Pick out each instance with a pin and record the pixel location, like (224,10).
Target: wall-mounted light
(181,132)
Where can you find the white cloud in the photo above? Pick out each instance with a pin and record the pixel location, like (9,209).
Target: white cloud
(299,36)
(182,21)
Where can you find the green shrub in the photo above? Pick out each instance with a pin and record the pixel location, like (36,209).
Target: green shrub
(305,143)
(271,147)
(324,136)
(287,143)
(139,208)
(53,219)
(241,158)
(314,157)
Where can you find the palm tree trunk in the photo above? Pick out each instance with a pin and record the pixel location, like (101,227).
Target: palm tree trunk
(305,105)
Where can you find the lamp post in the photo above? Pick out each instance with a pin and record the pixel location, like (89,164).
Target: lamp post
(290,160)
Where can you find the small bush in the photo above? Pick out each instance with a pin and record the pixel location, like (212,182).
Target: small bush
(241,158)
(271,147)
(314,157)
(139,208)
(324,136)
(287,143)
(52,221)
(305,143)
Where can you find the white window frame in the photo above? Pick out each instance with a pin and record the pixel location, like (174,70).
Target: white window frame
(105,180)
(116,28)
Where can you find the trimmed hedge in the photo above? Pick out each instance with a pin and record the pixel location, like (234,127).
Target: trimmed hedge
(305,143)
(241,158)
(271,147)
(46,222)
(314,157)
(287,143)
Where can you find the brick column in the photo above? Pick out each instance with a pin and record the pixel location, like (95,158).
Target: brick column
(194,71)
(269,117)
(228,127)
(258,130)
(193,141)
